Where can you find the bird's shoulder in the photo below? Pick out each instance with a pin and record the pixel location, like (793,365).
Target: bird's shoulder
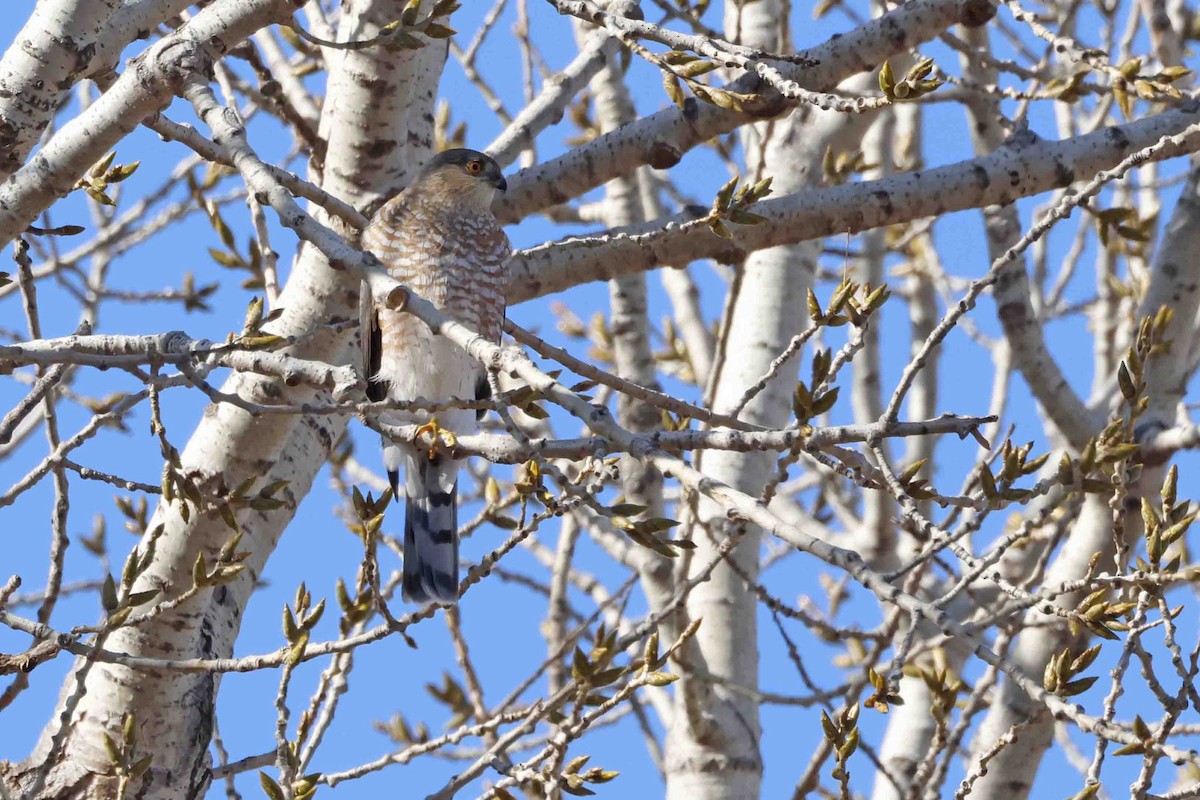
(392,212)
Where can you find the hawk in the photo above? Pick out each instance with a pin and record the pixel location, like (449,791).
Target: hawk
(439,238)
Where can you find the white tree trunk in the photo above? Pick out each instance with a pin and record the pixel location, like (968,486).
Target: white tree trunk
(712,746)
(57,42)
(378,124)
(1010,774)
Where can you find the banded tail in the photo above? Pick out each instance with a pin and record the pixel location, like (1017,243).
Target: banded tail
(430,528)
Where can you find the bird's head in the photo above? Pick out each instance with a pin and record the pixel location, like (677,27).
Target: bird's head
(472,176)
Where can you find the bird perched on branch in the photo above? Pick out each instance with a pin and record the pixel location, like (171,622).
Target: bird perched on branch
(439,238)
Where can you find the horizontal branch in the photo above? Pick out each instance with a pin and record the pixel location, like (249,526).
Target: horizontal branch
(502,449)
(1021,168)
(176,347)
(628,388)
(771,68)
(1166,443)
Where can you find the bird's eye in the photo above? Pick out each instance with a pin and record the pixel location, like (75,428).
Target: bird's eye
(474,167)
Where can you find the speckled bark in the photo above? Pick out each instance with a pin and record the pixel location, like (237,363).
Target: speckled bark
(62,42)
(1020,168)
(713,744)
(661,139)
(56,45)
(1174,282)
(147,86)
(626,203)
(378,123)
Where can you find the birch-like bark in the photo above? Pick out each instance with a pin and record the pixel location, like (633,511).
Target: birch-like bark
(1011,773)
(146,87)
(662,138)
(54,47)
(712,748)
(1175,283)
(1021,169)
(625,204)
(63,41)
(377,120)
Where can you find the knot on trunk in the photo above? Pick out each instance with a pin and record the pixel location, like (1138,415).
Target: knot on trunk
(974,13)
(179,60)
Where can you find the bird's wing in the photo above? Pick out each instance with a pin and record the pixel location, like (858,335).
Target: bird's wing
(372,344)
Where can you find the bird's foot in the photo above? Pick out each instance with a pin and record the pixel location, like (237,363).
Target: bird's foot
(438,437)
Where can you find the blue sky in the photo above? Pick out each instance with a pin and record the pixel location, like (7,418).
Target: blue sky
(501,621)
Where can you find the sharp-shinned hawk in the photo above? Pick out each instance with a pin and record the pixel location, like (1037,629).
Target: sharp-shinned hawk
(439,238)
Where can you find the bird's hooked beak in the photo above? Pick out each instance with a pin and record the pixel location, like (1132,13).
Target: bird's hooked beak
(501,184)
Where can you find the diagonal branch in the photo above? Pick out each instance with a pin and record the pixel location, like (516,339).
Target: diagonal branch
(1019,169)
(662,138)
(146,87)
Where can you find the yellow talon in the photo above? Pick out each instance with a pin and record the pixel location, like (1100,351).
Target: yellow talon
(432,429)
(438,436)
